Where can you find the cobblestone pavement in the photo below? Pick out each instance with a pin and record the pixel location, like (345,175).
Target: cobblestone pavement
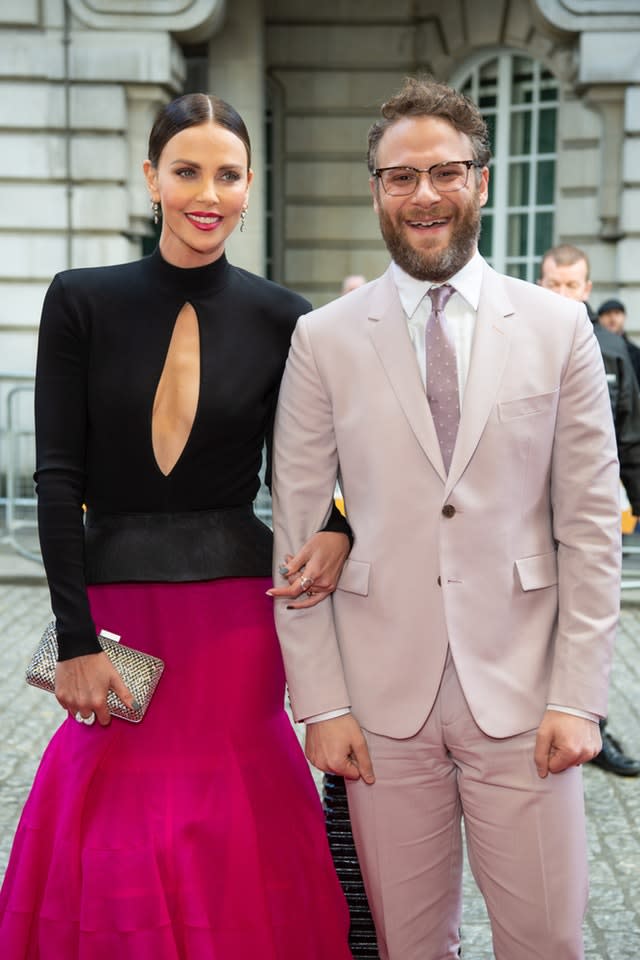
(612,928)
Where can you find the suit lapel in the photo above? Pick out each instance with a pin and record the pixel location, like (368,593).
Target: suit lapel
(392,342)
(488,357)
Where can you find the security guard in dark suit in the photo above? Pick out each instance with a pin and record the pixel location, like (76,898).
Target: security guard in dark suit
(612,315)
(565,269)
(625,404)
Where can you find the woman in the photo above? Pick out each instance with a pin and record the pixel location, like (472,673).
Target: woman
(197,833)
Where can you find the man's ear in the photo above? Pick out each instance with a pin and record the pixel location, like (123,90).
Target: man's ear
(483,186)
(373,186)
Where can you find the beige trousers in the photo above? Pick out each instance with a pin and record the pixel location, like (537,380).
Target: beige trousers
(526,839)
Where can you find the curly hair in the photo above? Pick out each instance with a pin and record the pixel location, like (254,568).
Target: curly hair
(425,97)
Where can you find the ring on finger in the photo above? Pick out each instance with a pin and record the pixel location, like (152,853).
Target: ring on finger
(88,721)
(306,582)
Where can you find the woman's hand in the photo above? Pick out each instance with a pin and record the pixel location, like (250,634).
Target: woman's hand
(315,570)
(82,685)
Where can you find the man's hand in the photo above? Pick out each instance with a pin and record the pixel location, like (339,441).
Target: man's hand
(338,746)
(565,741)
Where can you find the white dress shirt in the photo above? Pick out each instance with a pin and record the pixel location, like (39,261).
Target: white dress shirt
(461,311)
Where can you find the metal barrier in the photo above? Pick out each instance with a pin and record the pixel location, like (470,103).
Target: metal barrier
(19,500)
(630,571)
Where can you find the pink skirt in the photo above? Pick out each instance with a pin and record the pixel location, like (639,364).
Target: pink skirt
(194,835)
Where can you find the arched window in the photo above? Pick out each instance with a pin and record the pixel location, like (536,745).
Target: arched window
(518,98)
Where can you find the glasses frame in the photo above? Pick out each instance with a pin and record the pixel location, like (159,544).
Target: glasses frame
(427,170)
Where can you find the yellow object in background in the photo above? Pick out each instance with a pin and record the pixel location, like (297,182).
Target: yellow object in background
(629,522)
(339,500)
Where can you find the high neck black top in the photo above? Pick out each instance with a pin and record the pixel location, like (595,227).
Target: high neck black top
(104,338)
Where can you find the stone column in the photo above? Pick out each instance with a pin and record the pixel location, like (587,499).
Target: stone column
(236,73)
(143,102)
(608,80)
(629,247)
(79,84)
(608,100)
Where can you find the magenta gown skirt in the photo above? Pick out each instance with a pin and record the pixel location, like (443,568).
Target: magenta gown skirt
(196,834)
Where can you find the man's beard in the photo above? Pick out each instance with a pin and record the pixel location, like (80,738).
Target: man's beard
(437,265)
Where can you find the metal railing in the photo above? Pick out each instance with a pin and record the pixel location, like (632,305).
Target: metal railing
(18,499)
(19,504)
(630,570)
(17,464)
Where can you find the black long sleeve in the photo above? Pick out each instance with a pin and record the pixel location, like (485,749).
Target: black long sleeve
(104,337)
(625,403)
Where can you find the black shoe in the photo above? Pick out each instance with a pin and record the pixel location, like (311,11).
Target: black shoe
(612,758)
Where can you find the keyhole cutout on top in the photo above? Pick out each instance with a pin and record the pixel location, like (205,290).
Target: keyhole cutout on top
(176,399)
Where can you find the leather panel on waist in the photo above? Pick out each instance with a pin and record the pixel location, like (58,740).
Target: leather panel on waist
(176,547)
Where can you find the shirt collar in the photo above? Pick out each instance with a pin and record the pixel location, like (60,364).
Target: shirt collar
(466,281)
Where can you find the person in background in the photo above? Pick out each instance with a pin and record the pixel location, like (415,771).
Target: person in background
(460,668)
(565,270)
(197,833)
(612,315)
(351,282)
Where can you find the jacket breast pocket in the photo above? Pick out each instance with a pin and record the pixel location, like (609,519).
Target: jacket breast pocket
(537,572)
(527,406)
(355,577)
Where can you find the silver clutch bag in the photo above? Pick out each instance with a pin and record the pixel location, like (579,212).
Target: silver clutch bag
(140,671)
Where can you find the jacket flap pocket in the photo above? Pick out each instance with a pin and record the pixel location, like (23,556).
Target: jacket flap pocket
(355,577)
(527,406)
(538,572)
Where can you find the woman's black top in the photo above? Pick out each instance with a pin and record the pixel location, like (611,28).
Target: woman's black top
(104,337)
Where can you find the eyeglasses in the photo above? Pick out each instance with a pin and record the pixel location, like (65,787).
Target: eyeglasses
(444,177)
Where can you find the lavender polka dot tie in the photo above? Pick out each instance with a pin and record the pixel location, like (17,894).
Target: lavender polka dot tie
(442,373)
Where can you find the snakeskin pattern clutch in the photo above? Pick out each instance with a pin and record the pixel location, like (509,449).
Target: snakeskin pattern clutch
(140,671)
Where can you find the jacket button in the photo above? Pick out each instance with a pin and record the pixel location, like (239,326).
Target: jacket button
(448,510)
(439,582)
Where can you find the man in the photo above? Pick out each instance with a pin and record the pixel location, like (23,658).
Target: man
(461,665)
(612,315)
(565,270)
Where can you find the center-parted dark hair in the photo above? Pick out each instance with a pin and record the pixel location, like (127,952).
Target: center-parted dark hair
(189,111)
(424,97)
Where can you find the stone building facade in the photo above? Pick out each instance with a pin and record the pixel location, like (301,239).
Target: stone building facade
(80,81)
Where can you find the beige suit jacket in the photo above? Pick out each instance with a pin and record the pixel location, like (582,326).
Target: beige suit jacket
(512,560)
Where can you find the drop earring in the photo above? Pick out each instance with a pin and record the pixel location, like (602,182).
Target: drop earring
(155,206)
(243,220)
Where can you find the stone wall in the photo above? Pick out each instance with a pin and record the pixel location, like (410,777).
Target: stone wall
(330,67)
(80,82)
(72,101)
